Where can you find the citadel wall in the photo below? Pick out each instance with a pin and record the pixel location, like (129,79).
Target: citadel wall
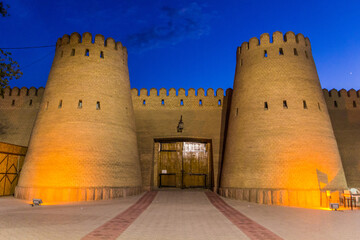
(18,111)
(280,146)
(344,110)
(157,114)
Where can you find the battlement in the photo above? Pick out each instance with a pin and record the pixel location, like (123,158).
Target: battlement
(178,99)
(86,38)
(277,39)
(342,99)
(21,97)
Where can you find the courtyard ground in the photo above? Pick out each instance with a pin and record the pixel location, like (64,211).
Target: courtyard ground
(173,214)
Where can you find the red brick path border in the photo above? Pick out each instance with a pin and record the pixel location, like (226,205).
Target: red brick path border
(251,228)
(116,226)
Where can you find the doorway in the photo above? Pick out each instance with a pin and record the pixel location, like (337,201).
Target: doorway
(183,164)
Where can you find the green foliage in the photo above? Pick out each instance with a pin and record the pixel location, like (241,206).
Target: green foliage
(9,68)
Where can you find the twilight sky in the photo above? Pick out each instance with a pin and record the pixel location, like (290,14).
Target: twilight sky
(185,43)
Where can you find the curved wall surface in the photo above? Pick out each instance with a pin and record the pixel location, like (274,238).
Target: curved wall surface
(280,146)
(83,145)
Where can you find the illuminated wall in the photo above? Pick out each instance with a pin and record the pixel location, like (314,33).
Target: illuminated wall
(280,147)
(83,145)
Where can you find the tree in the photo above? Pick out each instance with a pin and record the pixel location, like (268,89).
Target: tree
(9,69)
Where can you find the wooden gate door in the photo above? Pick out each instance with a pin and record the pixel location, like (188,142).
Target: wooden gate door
(170,164)
(10,165)
(184,165)
(195,165)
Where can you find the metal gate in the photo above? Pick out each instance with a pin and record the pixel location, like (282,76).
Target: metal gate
(10,166)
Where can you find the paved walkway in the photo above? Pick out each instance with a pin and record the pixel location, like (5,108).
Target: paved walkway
(172,215)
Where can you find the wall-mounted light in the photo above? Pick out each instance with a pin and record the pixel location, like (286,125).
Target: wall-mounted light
(180,125)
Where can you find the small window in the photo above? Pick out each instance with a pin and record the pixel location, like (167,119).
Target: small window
(62,53)
(60,104)
(285,104)
(27,92)
(73,52)
(36,92)
(265,53)
(319,106)
(330,94)
(87,52)
(295,52)
(101,54)
(281,51)
(181,102)
(144,102)
(13,103)
(46,105)
(335,104)
(304,104)
(219,103)
(354,104)
(237,111)
(266,106)
(18,92)
(30,103)
(80,104)
(97,105)
(306,54)
(200,102)
(162,102)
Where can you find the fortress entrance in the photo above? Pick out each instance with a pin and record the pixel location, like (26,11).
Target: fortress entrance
(183,164)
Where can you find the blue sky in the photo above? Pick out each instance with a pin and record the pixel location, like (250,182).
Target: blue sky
(185,44)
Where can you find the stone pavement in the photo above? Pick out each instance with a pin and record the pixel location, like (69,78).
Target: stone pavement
(173,214)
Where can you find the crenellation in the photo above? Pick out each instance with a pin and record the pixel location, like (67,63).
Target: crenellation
(181,92)
(143,92)
(307,42)
(153,92)
(300,39)
(191,92)
(172,92)
(110,43)
(278,37)
(253,43)
(99,40)
(75,38)
(65,39)
(201,92)
(162,92)
(134,92)
(220,92)
(264,39)
(87,38)
(289,37)
(210,92)
(341,99)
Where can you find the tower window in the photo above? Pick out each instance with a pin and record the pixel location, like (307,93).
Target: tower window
(354,104)
(266,106)
(200,102)
(281,51)
(162,102)
(144,102)
(237,111)
(101,54)
(60,104)
(97,105)
(13,103)
(80,104)
(219,103)
(46,105)
(295,52)
(285,104)
(30,103)
(304,104)
(73,52)
(62,53)
(306,54)
(181,102)
(335,104)
(265,53)
(319,106)
(87,52)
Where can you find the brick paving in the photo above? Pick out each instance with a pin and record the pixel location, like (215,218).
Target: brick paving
(252,229)
(175,215)
(113,228)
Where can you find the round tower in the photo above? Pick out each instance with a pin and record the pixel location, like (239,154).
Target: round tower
(280,146)
(83,145)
